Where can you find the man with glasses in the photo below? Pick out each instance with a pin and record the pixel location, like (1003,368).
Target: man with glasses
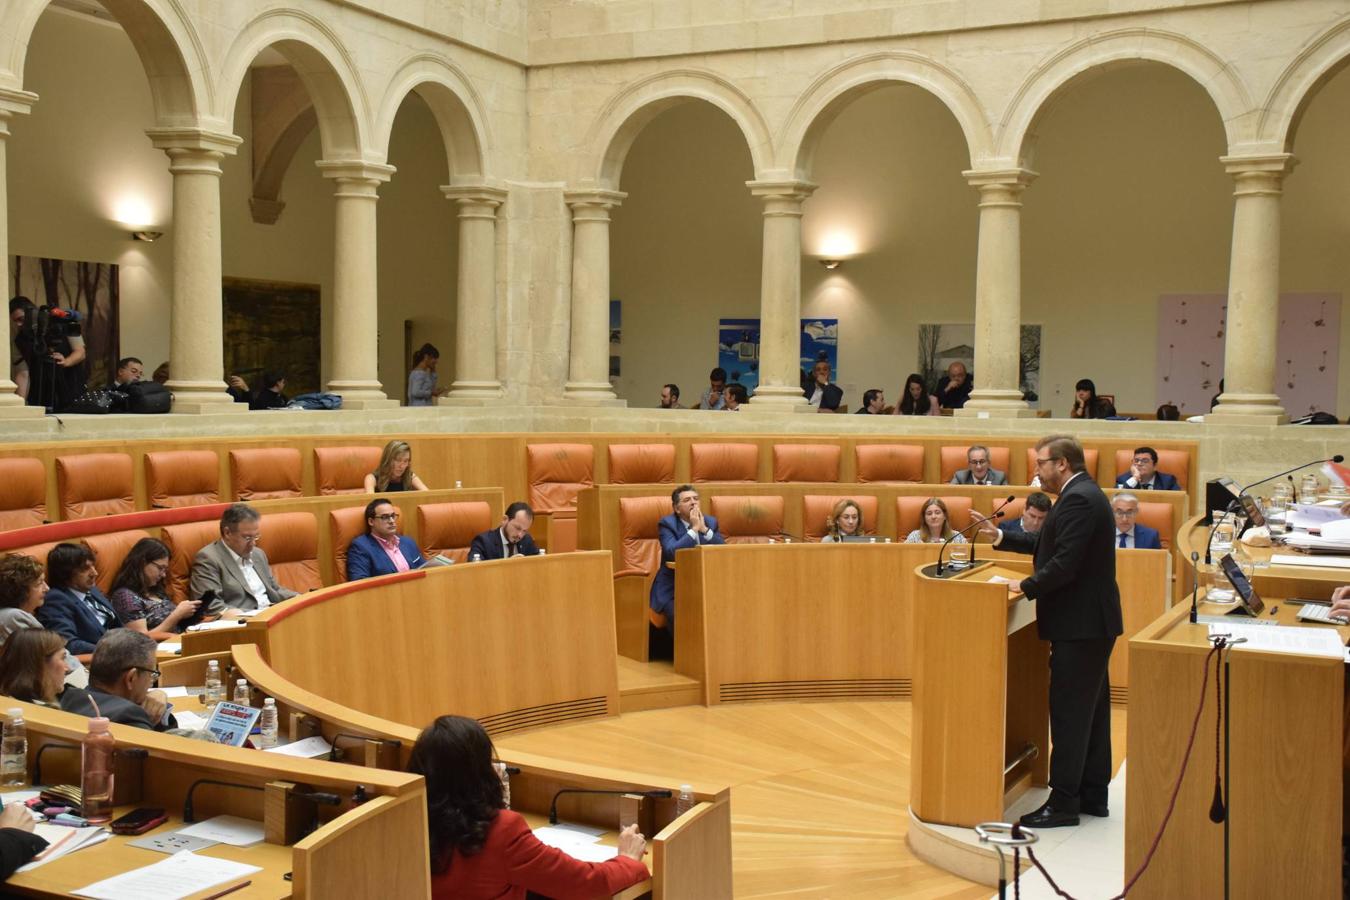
(978,470)
(1078,612)
(381,550)
(121,676)
(234,569)
(1130,535)
(1144,474)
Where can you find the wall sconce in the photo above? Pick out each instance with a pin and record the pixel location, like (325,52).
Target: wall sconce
(148,236)
(831,263)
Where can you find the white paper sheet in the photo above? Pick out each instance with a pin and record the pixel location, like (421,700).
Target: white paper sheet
(1307,515)
(309,748)
(62,840)
(1285,639)
(232,830)
(180,690)
(171,647)
(1326,562)
(190,721)
(181,875)
(559,835)
(217,625)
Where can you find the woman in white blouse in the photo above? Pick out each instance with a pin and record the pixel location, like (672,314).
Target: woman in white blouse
(936,526)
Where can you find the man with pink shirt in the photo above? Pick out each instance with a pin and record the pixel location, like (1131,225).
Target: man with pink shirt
(381,550)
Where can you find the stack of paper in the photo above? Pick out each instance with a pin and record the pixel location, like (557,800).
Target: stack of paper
(577,842)
(1294,559)
(232,830)
(1285,639)
(216,625)
(181,875)
(62,841)
(309,748)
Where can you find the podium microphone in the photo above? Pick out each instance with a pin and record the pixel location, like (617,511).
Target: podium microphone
(1195,581)
(980,521)
(662,794)
(1316,462)
(994,515)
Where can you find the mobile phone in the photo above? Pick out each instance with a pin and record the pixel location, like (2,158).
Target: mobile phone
(138,821)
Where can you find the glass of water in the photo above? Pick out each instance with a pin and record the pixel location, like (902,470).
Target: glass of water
(959,556)
(1308,492)
(1222,541)
(1276,512)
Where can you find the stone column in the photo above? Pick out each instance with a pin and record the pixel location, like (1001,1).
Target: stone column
(780,296)
(588,362)
(196,319)
(354,366)
(998,295)
(12,406)
(1253,320)
(476,378)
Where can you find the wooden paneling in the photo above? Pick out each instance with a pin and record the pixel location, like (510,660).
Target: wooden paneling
(692,855)
(336,862)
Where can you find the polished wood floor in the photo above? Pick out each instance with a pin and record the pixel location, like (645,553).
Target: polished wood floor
(819,790)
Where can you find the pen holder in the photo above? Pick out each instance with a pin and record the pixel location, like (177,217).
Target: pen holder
(285,814)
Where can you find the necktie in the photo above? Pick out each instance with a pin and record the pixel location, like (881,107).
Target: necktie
(1123,535)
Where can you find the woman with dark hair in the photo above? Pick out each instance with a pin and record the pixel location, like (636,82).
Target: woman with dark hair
(394,473)
(138,596)
(480,849)
(33,666)
(915,399)
(1086,403)
(23,588)
(422,390)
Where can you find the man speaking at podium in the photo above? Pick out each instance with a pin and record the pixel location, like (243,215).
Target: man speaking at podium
(1078,612)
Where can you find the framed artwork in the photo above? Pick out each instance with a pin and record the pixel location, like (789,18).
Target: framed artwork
(940,345)
(738,348)
(90,289)
(273,325)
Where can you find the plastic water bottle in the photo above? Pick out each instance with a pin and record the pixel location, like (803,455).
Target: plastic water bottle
(543,552)
(267,722)
(685,801)
(96,773)
(14,751)
(477,557)
(242,695)
(215,691)
(459,485)
(506,782)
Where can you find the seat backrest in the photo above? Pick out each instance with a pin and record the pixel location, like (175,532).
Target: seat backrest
(23,493)
(723,462)
(343,527)
(816,509)
(183,542)
(954,457)
(110,550)
(641,463)
(889,462)
(639,533)
(1173,462)
(1090,457)
(265,473)
(449,528)
(182,478)
(557,473)
(292,549)
(94,484)
(748,520)
(1159,517)
(1014,509)
(806,462)
(909,513)
(343,470)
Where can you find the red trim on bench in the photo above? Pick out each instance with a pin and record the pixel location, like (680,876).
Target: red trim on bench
(291,607)
(78,528)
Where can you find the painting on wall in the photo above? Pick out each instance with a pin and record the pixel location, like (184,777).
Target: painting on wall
(615,337)
(1191,331)
(90,289)
(738,348)
(942,344)
(272,325)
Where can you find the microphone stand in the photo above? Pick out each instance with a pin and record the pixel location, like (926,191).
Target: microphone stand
(994,515)
(938,572)
(1195,586)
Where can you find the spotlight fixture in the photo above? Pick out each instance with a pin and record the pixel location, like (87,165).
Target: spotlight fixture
(831,263)
(148,236)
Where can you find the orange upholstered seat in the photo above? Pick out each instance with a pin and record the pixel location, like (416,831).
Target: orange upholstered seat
(343,526)
(23,493)
(1089,460)
(449,528)
(266,473)
(1158,516)
(889,463)
(748,520)
(343,470)
(293,549)
(110,550)
(816,509)
(182,478)
(639,534)
(723,462)
(1176,463)
(556,474)
(954,458)
(641,463)
(909,513)
(805,462)
(94,484)
(183,542)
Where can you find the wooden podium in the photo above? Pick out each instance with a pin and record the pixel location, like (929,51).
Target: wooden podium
(981,676)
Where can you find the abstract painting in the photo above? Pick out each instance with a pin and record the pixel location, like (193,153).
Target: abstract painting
(88,288)
(272,325)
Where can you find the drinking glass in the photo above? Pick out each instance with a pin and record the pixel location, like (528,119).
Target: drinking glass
(1222,541)
(1308,492)
(1276,510)
(959,556)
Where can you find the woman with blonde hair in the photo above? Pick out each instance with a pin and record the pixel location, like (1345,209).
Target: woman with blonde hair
(935,526)
(394,472)
(33,666)
(845,520)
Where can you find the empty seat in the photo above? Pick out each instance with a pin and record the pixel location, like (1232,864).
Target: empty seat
(816,509)
(23,493)
(723,462)
(110,551)
(636,564)
(293,549)
(1174,462)
(954,457)
(183,542)
(1158,516)
(343,527)
(449,528)
(748,520)
(806,462)
(894,463)
(1089,460)
(909,513)
(343,470)
(182,478)
(94,484)
(266,473)
(556,474)
(641,463)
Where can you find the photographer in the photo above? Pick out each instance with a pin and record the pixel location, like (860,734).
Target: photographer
(49,341)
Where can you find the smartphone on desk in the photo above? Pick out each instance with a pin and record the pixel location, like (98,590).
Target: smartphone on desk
(138,821)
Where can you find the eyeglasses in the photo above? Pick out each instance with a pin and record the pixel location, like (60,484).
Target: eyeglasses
(249,538)
(161,566)
(1125,513)
(1143,460)
(1041,462)
(154,673)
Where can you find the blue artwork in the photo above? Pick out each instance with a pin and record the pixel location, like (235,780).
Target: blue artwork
(738,348)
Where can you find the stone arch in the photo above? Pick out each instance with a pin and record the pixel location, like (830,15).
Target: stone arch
(323,64)
(454,104)
(830,93)
(1316,63)
(1045,86)
(627,113)
(163,37)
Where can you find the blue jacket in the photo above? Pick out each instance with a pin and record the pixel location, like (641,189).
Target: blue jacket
(675,536)
(1145,538)
(366,558)
(1161,482)
(71,618)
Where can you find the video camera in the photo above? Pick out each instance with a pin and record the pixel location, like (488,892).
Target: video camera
(49,326)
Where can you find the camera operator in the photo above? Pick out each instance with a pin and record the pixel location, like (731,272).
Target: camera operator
(50,343)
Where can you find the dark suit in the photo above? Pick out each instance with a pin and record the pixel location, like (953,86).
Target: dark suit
(1078,612)
(832,394)
(1161,482)
(366,558)
(993,476)
(489,545)
(71,617)
(112,707)
(1145,538)
(674,535)
(954,399)
(1013,525)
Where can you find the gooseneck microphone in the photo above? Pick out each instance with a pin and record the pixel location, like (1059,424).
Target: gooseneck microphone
(1338,458)
(661,794)
(1195,582)
(996,514)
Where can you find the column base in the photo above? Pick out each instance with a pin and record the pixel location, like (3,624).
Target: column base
(381,402)
(20,410)
(778,398)
(198,397)
(360,395)
(472,393)
(995,403)
(1248,409)
(587,391)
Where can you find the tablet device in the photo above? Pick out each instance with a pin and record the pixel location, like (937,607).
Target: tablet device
(1246,594)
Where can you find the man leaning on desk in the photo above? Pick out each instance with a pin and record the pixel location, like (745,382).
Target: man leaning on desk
(684,528)
(509,539)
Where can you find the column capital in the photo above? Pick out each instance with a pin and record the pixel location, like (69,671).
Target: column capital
(198,139)
(15,102)
(475,201)
(355,170)
(784,189)
(594,198)
(1258,174)
(1001,187)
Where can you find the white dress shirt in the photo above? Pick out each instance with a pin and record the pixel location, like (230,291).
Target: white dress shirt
(252,580)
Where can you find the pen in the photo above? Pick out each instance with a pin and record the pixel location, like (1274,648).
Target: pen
(229,890)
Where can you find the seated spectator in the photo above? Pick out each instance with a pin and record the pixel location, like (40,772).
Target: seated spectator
(394,472)
(74,606)
(129,371)
(819,391)
(1033,516)
(670,397)
(270,395)
(120,679)
(381,550)
(234,569)
(237,388)
(936,527)
(138,597)
(1129,534)
(977,469)
(915,399)
(685,527)
(874,403)
(713,397)
(481,849)
(161,374)
(18,843)
(845,520)
(1086,403)
(23,588)
(33,666)
(511,538)
(954,389)
(1144,474)
(1168,413)
(736,397)
(422,389)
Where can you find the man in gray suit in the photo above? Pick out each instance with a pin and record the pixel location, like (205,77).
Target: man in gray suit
(120,676)
(235,567)
(977,469)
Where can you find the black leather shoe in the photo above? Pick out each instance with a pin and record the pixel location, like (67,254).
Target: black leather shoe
(1048,817)
(1091,809)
